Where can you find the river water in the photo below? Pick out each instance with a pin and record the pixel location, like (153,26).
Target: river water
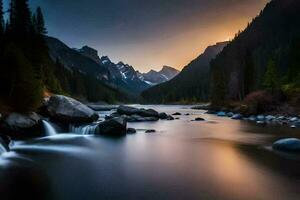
(218,159)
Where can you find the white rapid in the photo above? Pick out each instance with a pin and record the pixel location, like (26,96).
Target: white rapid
(84,130)
(49,129)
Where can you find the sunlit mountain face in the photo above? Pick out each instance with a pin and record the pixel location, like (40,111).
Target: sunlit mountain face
(147,34)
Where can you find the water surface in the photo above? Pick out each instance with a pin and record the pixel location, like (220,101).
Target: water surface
(216,159)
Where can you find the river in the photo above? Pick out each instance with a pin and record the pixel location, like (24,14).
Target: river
(218,159)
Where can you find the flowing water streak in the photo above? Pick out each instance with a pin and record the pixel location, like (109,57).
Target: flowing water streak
(84,130)
(49,129)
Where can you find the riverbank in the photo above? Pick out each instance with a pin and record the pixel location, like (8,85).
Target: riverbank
(283,115)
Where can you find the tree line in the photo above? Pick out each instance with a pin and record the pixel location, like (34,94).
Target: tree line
(26,69)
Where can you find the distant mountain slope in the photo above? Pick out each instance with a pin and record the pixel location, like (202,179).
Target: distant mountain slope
(86,60)
(72,59)
(272,37)
(190,84)
(156,77)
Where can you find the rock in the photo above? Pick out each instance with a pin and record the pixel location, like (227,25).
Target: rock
(22,126)
(112,127)
(230,114)
(150,131)
(281,118)
(187,114)
(289,144)
(293,126)
(270,118)
(199,119)
(127,110)
(294,119)
(163,116)
(260,122)
(131,131)
(221,114)
(177,118)
(260,118)
(102,107)
(176,114)
(211,112)
(252,118)
(237,117)
(148,113)
(170,118)
(68,110)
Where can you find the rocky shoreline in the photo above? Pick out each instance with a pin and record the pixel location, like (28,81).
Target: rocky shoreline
(293,121)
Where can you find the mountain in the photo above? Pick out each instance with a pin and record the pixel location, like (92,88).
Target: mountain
(124,76)
(90,53)
(190,84)
(86,60)
(156,77)
(264,56)
(73,59)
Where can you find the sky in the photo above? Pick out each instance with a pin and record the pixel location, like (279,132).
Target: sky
(147,33)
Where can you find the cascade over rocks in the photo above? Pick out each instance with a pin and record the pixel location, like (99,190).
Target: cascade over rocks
(67,110)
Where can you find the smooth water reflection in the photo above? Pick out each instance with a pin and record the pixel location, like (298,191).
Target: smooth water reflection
(219,159)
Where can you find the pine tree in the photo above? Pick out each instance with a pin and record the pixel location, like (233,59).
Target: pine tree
(1,19)
(271,81)
(40,22)
(20,20)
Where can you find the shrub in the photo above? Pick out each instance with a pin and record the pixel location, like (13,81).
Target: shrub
(259,102)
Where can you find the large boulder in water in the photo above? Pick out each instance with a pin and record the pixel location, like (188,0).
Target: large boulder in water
(67,110)
(289,144)
(19,125)
(127,110)
(112,127)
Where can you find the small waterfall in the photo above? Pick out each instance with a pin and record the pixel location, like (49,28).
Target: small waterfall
(49,129)
(2,149)
(84,130)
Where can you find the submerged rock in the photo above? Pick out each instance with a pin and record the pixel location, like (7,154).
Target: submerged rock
(199,119)
(131,131)
(150,131)
(289,144)
(67,110)
(112,127)
(176,114)
(20,125)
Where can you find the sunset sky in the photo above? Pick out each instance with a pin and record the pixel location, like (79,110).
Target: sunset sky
(147,33)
